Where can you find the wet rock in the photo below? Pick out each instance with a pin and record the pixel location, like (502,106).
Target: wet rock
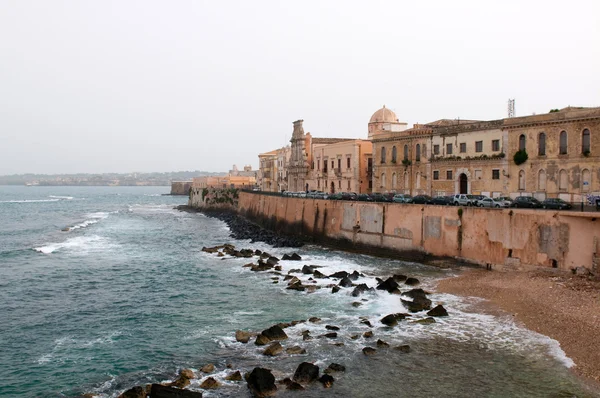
(331,327)
(135,392)
(208,368)
(293,386)
(335,289)
(306,373)
(366,322)
(307,269)
(388,285)
(360,289)
(318,274)
(345,282)
(242,336)
(331,335)
(311,289)
(274,333)
(399,277)
(285,257)
(257,252)
(294,323)
(296,286)
(210,249)
(369,351)
(418,304)
(160,391)
(210,383)
(262,340)
(272,261)
(274,349)
(295,257)
(284,325)
(415,293)
(295,350)
(326,380)
(335,367)
(356,304)
(261,383)
(425,321)
(354,275)
(314,319)
(405,348)
(339,275)
(438,310)
(411,281)
(355,336)
(277,268)
(219,254)
(381,343)
(390,320)
(368,334)
(235,376)
(295,271)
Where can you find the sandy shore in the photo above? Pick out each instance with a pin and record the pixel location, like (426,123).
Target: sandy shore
(562,306)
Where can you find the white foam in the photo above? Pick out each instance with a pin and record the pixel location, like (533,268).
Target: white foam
(61,197)
(79,244)
(29,201)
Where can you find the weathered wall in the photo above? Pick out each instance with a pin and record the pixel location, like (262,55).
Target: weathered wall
(180,187)
(510,237)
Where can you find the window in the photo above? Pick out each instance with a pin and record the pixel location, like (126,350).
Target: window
(418,180)
(394,181)
(542,145)
(563,180)
(394,154)
(496,174)
(436,149)
(478,146)
(348,185)
(313,164)
(333,164)
(522,180)
(585,180)
(318,183)
(585,142)
(348,162)
(522,142)
(542,180)
(478,174)
(340,165)
(448,174)
(563,143)
(405,179)
(495,145)
(436,175)
(418,153)
(340,184)
(405,152)
(448,149)
(325,166)
(382,180)
(463,147)
(319,164)
(382,154)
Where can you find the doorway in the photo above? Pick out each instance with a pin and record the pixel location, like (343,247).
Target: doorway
(332,187)
(464,183)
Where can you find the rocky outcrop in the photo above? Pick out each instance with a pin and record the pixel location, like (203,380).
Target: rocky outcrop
(273,349)
(438,310)
(135,392)
(210,383)
(335,367)
(326,380)
(274,333)
(242,336)
(235,376)
(389,285)
(160,391)
(261,383)
(306,373)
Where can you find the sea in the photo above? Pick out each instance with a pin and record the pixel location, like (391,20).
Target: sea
(105,288)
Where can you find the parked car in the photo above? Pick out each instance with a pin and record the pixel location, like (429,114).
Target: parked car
(348,196)
(526,202)
(301,194)
(443,200)
(474,199)
(402,198)
(422,200)
(321,195)
(505,200)
(556,203)
(379,197)
(461,200)
(363,197)
(490,202)
(335,196)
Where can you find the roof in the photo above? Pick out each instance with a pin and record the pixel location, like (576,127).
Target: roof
(330,140)
(384,115)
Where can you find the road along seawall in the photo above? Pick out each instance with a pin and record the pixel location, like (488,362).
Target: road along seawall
(500,238)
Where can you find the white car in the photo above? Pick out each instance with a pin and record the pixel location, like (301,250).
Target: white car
(461,200)
(489,202)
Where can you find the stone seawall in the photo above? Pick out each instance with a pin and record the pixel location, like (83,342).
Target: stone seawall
(512,238)
(181,187)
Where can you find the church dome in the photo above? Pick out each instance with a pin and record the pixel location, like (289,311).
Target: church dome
(384,115)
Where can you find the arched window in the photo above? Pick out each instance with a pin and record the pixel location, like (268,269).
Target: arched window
(585,180)
(418,153)
(406,180)
(563,143)
(585,142)
(563,180)
(394,180)
(382,181)
(522,142)
(542,180)
(542,144)
(522,180)
(405,152)
(394,154)
(382,154)
(418,180)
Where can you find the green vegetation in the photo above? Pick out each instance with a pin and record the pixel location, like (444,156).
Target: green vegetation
(554,110)
(520,157)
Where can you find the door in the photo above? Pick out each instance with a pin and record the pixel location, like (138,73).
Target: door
(332,187)
(464,184)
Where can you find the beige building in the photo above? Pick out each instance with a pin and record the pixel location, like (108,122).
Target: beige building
(273,170)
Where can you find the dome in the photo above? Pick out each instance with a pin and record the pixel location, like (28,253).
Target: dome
(384,115)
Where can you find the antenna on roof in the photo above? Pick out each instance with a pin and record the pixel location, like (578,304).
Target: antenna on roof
(511,107)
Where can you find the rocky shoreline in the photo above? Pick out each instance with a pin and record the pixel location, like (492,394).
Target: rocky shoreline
(242,229)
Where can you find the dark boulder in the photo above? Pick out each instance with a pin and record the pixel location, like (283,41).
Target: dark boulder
(293,386)
(354,275)
(360,289)
(414,293)
(392,319)
(438,310)
(335,367)
(319,275)
(399,277)
(295,350)
(135,392)
(273,350)
(272,261)
(296,286)
(274,333)
(306,373)
(210,383)
(418,304)
(368,334)
(331,335)
(381,343)
(326,380)
(425,321)
(242,336)
(307,269)
(412,281)
(314,319)
(261,383)
(388,285)
(331,327)
(339,275)
(369,351)
(160,391)
(235,376)
(335,289)
(366,322)
(345,282)
(405,348)
(286,257)
(262,340)
(295,257)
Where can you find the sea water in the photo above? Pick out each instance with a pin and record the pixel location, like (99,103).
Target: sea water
(104,288)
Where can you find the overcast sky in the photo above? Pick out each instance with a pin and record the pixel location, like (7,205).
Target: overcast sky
(120,86)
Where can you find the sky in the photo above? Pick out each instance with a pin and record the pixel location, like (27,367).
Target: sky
(122,86)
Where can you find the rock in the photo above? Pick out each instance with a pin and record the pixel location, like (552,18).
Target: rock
(425,321)
(262,340)
(438,310)
(295,350)
(331,335)
(261,383)
(411,281)
(219,254)
(368,334)
(296,286)
(210,249)
(331,327)
(415,293)
(314,319)
(135,392)
(326,380)
(345,282)
(294,386)
(311,289)
(307,269)
(335,367)
(208,368)
(354,275)
(295,271)
(160,391)
(293,280)
(355,336)
(284,325)
(272,261)
(366,322)
(388,285)
(582,271)
(274,333)
(399,277)
(360,289)
(369,351)
(306,373)
(257,252)
(180,382)
(356,304)
(277,268)
(285,257)
(210,383)
(335,289)
(295,257)
(403,348)
(381,343)
(235,376)
(389,320)
(418,304)
(339,275)
(242,336)
(294,323)
(274,349)
(318,274)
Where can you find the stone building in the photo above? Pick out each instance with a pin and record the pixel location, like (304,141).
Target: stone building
(228,181)
(273,170)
